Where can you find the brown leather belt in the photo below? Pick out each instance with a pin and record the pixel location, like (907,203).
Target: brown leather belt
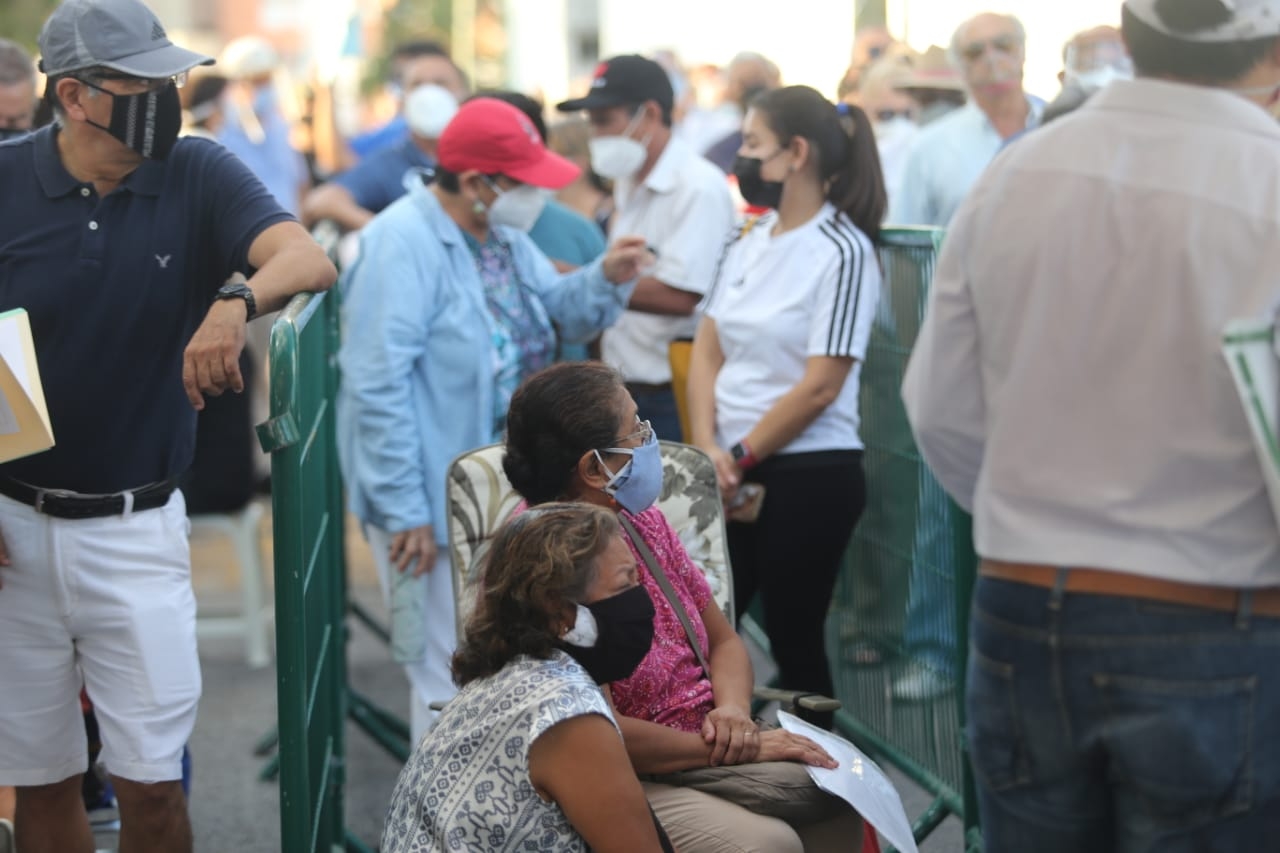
(1264,601)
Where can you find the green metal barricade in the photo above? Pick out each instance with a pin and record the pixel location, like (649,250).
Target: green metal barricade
(307,520)
(308,512)
(898,631)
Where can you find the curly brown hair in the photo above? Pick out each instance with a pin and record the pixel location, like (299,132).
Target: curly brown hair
(541,561)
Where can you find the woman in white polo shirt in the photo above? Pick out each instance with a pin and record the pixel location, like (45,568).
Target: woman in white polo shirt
(773,382)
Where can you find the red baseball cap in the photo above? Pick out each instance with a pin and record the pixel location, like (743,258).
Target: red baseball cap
(495,138)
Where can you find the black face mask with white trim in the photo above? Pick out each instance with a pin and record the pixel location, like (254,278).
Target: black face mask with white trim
(148,122)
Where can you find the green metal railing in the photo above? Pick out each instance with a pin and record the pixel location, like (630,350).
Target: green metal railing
(312,604)
(307,520)
(900,611)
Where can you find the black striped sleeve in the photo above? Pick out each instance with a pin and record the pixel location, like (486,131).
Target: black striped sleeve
(850,272)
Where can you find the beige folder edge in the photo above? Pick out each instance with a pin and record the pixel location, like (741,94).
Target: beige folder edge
(24,418)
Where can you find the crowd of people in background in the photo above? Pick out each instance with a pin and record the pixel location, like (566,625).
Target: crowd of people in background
(525,273)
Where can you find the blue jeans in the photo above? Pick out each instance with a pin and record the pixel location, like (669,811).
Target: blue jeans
(929,634)
(1117,725)
(659,409)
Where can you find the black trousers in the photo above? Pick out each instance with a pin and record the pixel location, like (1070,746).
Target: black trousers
(792,554)
(221,476)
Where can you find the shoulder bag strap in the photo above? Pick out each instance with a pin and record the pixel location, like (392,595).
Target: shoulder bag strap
(661,577)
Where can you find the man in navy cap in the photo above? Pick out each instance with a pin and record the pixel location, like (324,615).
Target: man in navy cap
(1068,388)
(116,238)
(668,194)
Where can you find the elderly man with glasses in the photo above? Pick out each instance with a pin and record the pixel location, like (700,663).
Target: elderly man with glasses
(989,50)
(116,238)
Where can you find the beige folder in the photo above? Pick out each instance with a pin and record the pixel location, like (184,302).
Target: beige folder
(24,419)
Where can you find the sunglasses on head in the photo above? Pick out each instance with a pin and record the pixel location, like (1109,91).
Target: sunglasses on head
(1006,44)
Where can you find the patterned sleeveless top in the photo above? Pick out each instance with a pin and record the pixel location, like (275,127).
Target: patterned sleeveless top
(467,786)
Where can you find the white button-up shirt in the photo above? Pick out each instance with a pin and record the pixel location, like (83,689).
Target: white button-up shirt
(684,209)
(1067,385)
(943,162)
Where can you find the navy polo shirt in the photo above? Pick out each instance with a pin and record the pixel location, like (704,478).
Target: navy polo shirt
(115,287)
(378,180)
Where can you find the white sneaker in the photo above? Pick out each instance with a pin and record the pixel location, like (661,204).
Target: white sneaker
(7,844)
(919,683)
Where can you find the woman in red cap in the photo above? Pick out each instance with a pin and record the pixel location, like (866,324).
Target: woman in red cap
(446,310)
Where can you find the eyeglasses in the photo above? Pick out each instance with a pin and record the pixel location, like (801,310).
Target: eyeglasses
(178,80)
(643,431)
(1006,44)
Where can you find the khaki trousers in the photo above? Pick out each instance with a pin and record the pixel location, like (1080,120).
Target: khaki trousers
(701,823)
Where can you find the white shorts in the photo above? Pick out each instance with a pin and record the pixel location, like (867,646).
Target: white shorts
(106,601)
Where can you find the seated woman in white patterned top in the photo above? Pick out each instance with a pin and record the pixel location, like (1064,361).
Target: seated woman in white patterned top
(528,756)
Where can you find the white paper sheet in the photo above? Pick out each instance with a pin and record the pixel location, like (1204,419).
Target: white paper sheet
(1250,349)
(859,781)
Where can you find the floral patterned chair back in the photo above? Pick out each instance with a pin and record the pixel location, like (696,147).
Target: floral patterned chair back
(481,500)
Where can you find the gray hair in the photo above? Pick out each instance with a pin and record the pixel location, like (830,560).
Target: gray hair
(90,74)
(16,65)
(953,49)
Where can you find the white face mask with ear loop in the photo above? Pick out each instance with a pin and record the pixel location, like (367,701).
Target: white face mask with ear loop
(585,632)
(428,109)
(517,208)
(619,157)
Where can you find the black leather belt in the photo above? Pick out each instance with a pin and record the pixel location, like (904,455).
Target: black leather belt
(61,503)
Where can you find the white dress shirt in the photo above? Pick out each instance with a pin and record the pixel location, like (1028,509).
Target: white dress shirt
(943,162)
(684,210)
(1067,385)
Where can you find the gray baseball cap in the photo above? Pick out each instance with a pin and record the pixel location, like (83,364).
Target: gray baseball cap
(123,35)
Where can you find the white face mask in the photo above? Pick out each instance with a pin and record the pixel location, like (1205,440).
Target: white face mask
(895,132)
(618,157)
(517,208)
(1096,79)
(428,109)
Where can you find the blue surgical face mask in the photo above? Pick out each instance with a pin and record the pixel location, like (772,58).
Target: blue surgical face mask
(265,100)
(638,483)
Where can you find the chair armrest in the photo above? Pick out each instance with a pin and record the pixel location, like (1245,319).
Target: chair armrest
(797,699)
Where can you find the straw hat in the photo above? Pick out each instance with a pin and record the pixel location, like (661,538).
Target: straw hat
(932,70)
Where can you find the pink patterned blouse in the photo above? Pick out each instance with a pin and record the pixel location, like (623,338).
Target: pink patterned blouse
(669,686)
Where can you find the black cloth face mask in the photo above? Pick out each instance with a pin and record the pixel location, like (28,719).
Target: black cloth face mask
(756,190)
(624,625)
(148,122)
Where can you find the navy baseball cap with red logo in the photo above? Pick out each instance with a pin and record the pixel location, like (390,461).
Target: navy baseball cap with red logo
(625,80)
(495,138)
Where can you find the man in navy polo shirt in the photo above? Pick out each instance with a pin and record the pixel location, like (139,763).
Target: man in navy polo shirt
(115,237)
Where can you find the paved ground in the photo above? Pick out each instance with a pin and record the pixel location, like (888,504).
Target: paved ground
(233,812)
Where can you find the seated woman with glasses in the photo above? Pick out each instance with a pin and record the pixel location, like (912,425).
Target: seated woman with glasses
(573,435)
(528,755)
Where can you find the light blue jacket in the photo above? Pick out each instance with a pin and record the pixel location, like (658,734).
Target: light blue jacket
(417,358)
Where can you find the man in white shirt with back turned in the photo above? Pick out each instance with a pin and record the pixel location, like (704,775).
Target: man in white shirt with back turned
(677,200)
(1068,388)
